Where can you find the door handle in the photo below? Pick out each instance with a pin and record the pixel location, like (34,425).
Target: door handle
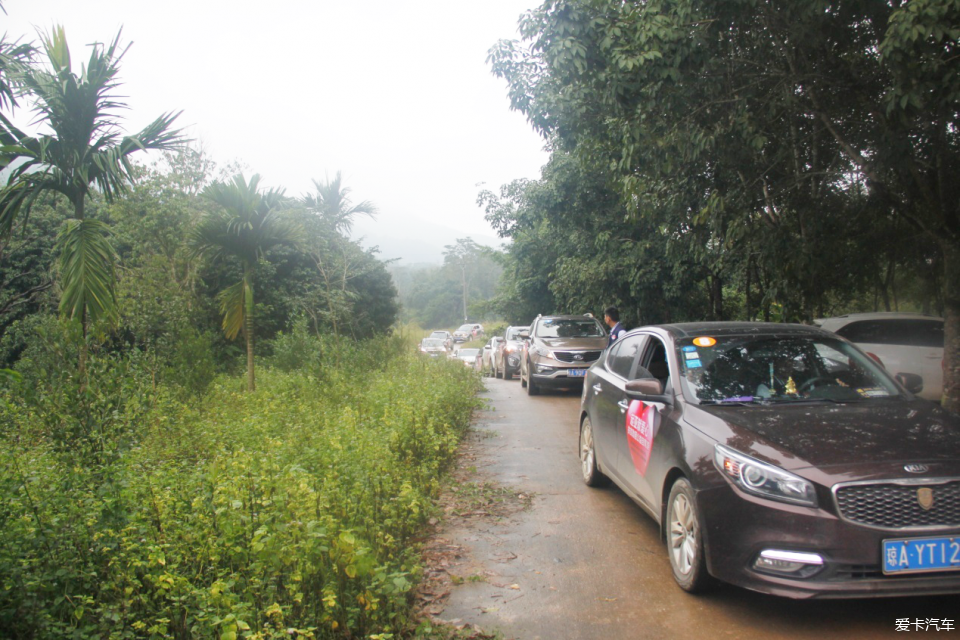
(597,388)
(623,406)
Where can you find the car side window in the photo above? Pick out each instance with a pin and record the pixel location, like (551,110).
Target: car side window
(623,355)
(904,332)
(654,361)
(928,333)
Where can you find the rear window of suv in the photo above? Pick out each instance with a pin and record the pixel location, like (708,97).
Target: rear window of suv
(904,332)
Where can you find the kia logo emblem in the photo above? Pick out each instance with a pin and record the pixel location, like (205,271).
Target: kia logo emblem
(916,468)
(578,357)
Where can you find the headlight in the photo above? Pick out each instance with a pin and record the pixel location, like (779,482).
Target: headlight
(509,349)
(763,479)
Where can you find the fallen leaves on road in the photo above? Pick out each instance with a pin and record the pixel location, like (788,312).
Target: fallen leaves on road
(469,501)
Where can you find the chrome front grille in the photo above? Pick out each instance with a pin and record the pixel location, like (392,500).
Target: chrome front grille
(571,356)
(896,504)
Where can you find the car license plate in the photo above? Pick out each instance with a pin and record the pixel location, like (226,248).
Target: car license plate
(576,373)
(914,555)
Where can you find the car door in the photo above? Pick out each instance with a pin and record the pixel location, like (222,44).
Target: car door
(642,427)
(609,399)
(928,339)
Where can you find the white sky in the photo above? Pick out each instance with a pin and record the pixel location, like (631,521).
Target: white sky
(396,95)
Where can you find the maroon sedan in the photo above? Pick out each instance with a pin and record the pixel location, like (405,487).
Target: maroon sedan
(779,458)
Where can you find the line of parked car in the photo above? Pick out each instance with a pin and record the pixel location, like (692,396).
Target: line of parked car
(799,461)
(444,344)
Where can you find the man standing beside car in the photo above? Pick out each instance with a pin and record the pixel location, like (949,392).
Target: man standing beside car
(611,316)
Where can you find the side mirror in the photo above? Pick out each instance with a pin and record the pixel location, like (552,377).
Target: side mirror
(910,381)
(648,390)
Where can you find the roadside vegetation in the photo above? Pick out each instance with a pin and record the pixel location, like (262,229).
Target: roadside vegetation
(150,485)
(295,511)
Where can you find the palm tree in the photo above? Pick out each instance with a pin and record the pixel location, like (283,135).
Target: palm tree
(332,203)
(84,151)
(330,248)
(246,225)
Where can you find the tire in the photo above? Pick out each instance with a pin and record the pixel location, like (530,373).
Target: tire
(496,372)
(523,381)
(592,476)
(532,388)
(507,375)
(685,539)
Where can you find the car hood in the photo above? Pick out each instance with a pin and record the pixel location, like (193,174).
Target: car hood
(574,343)
(826,434)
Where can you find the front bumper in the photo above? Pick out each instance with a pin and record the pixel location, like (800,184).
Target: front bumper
(557,377)
(739,526)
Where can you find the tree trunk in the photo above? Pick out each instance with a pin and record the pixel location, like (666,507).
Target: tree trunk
(248,329)
(951,335)
(716,296)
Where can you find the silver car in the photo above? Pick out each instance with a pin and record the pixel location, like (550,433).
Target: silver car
(558,350)
(901,342)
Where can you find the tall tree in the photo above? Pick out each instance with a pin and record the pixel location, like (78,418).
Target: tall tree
(462,258)
(336,257)
(332,203)
(244,226)
(756,117)
(83,151)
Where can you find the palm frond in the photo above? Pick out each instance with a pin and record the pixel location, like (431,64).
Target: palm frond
(14,57)
(332,203)
(248,222)
(87,270)
(233,305)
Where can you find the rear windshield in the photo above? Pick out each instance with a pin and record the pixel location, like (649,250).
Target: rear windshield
(432,342)
(902,332)
(773,369)
(467,353)
(569,328)
(513,333)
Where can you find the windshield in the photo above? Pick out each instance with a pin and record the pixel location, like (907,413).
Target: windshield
(513,333)
(467,353)
(772,368)
(466,328)
(432,342)
(569,328)
(438,334)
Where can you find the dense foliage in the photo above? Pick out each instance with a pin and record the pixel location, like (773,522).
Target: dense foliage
(794,159)
(129,513)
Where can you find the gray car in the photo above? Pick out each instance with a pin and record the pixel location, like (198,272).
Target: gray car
(506,359)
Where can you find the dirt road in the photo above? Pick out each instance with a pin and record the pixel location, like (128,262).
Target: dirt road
(584,564)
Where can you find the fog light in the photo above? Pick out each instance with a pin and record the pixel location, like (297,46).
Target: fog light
(543,369)
(792,563)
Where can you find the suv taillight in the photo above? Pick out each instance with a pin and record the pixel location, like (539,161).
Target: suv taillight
(877,359)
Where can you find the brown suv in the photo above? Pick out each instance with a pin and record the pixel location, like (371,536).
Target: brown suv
(558,350)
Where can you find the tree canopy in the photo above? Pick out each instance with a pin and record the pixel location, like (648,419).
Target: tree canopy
(771,141)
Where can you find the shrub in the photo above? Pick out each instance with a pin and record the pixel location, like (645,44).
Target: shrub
(294,508)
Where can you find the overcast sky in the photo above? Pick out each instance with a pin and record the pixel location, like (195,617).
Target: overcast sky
(396,95)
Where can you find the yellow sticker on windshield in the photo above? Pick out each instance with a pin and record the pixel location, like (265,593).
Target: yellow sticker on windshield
(704,341)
